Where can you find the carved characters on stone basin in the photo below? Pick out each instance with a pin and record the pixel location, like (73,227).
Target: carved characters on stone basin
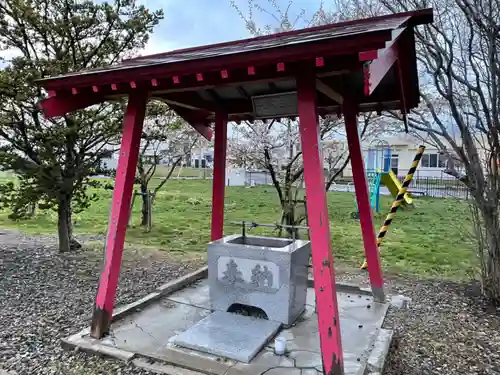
(249,274)
(232,274)
(262,277)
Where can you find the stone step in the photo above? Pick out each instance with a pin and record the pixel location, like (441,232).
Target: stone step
(229,335)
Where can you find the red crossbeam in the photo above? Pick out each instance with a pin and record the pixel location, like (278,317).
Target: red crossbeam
(60,105)
(381,62)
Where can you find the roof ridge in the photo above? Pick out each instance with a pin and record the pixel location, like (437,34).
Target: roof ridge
(418,13)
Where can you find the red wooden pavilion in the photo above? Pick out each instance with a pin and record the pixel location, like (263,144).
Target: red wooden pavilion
(345,68)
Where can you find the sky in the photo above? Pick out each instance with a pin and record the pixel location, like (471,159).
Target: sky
(189,23)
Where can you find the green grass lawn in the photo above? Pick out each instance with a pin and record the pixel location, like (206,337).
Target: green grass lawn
(431,239)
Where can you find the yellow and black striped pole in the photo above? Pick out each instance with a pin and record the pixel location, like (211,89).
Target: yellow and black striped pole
(399,199)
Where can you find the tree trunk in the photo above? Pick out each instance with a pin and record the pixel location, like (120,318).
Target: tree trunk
(490,263)
(31,209)
(145,205)
(491,278)
(290,220)
(64,226)
(134,195)
(149,223)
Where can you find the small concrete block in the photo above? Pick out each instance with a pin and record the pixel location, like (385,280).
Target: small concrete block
(400,302)
(284,371)
(306,359)
(380,350)
(309,371)
(229,335)
(163,368)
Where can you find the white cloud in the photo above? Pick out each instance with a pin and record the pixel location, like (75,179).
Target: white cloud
(157,45)
(9,54)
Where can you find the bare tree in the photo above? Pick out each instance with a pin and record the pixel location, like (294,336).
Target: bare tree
(275,148)
(280,17)
(256,152)
(166,139)
(272,147)
(460,69)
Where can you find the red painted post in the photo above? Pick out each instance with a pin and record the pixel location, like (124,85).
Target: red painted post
(219,179)
(120,210)
(317,213)
(363,200)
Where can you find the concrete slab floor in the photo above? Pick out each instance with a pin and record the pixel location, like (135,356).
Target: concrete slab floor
(150,334)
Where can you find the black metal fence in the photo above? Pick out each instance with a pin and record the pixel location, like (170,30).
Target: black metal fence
(440,186)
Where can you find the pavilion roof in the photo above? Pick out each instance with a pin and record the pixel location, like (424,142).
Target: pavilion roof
(371,61)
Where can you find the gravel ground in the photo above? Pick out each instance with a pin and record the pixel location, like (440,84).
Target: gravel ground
(449,329)
(46,296)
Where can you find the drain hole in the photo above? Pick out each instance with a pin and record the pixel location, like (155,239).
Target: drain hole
(240,309)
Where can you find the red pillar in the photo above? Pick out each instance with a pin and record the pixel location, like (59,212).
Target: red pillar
(317,212)
(363,199)
(219,176)
(120,209)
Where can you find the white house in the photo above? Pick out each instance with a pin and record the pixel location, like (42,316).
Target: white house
(202,157)
(403,149)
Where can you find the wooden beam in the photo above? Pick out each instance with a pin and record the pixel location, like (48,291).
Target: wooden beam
(219,176)
(119,215)
(197,119)
(60,105)
(183,105)
(334,73)
(379,62)
(191,100)
(328,91)
(204,130)
(319,228)
(243,93)
(376,70)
